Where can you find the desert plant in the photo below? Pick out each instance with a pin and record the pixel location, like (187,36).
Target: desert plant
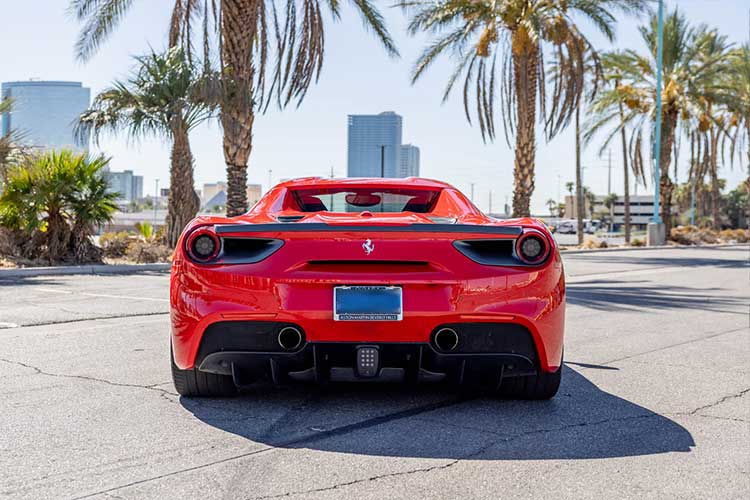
(56,198)
(146,252)
(145,230)
(115,244)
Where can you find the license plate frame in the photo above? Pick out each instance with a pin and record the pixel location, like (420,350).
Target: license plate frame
(347,303)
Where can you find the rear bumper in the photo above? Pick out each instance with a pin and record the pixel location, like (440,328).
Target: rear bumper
(200,298)
(336,362)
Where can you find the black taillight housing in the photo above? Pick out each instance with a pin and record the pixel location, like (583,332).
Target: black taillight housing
(532,247)
(204,246)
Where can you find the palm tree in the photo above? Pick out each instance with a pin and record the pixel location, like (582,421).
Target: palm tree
(608,112)
(167,97)
(55,199)
(736,98)
(239,31)
(693,61)
(476,32)
(551,206)
(11,147)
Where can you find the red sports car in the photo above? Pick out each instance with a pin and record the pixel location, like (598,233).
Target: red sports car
(388,280)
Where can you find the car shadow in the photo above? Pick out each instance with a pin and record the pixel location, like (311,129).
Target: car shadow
(581,422)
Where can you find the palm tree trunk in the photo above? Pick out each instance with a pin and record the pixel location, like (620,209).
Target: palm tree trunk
(666,187)
(526,75)
(747,208)
(626,173)
(239,29)
(183,202)
(580,203)
(713,171)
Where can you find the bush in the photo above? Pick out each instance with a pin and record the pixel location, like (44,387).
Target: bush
(144,252)
(55,200)
(591,244)
(691,235)
(115,244)
(637,243)
(738,235)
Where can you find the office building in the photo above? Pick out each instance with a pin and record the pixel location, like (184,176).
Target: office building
(128,185)
(374,145)
(641,210)
(44,113)
(409,161)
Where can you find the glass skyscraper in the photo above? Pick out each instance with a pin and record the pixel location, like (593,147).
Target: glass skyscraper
(44,113)
(409,164)
(374,145)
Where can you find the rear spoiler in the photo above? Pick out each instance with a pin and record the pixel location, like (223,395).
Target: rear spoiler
(281,227)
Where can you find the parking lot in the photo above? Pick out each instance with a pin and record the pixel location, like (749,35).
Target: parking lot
(654,401)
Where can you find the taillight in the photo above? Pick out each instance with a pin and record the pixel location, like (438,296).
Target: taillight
(532,247)
(203,245)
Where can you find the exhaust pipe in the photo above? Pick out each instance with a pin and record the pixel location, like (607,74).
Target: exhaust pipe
(289,338)
(446,339)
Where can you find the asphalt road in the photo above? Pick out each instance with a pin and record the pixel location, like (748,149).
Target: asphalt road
(654,402)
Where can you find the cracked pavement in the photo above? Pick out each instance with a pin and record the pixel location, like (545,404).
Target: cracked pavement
(655,401)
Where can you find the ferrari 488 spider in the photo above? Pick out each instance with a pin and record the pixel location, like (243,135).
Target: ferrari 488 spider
(388,280)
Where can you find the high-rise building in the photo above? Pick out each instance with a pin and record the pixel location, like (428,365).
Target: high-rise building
(44,113)
(128,186)
(374,145)
(409,161)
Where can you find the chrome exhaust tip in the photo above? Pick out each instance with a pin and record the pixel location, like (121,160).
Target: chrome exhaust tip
(289,338)
(446,339)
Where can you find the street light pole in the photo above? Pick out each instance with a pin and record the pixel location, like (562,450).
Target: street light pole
(382,160)
(156,193)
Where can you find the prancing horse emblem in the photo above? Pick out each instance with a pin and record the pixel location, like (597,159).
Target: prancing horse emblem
(369,246)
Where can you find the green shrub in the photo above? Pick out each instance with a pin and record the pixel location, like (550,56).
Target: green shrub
(55,199)
(636,242)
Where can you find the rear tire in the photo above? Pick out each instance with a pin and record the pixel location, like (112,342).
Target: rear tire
(543,385)
(201,384)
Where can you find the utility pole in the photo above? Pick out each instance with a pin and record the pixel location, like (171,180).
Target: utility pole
(490,212)
(472,190)
(382,160)
(156,202)
(270,172)
(609,174)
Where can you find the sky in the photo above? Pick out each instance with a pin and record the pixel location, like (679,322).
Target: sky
(37,41)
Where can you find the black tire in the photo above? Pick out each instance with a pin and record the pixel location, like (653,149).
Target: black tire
(543,385)
(201,384)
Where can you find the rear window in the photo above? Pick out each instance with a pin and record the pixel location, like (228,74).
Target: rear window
(376,199)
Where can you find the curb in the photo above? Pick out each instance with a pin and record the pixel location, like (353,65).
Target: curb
(28,272)
(660,247)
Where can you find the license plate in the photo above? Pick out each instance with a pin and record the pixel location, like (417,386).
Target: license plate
(367,303)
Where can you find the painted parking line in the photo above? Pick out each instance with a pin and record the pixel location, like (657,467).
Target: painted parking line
(100,295)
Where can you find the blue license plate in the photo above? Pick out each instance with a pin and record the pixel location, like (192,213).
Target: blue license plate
(367,303)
